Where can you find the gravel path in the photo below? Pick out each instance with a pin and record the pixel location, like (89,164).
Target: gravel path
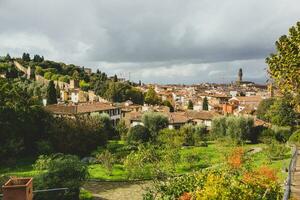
(116,190)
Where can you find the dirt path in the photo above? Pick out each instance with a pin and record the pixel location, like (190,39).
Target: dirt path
(117,190)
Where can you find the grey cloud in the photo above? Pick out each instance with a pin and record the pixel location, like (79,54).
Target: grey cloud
(140,36)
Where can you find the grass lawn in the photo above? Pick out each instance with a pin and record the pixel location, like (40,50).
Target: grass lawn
(205,157)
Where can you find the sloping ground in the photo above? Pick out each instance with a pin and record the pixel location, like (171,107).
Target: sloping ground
(116,190)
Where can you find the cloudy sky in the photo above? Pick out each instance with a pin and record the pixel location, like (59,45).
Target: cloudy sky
(162,41)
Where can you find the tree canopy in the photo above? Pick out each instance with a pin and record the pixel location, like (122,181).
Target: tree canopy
(284,65)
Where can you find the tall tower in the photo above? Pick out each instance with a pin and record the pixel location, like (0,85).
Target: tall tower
(240,74)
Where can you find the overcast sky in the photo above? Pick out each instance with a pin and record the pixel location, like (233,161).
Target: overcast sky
(162,41)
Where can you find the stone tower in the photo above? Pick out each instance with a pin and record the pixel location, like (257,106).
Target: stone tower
(240,75)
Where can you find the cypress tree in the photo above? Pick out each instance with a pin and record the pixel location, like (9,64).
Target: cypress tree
(205,104)
(51,93)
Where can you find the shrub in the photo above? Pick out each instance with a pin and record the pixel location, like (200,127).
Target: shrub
(138,134)
(237,128)
(142,163)
(65,171)
(170,137)
(154,122)
(282,134)
(218,127)
(295,138)
(107,160)
(78,136)
(276,151)
(85,195)
(187,131)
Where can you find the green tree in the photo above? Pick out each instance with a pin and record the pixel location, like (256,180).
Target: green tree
(7,58)
(51,93)
(151,97)
(115,78)
(122,129)
(263,108)
(190,105)
(62,171)
(154,122)
(26,57)
(205,104)
(281,113)
(284,65)
(138,134)
(167,103)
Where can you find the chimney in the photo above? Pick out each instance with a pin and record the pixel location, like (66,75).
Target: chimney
(18,189)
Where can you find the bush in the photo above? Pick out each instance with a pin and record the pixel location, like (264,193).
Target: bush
(154,122)
(282,134)
(85,195)
(78,136)
(63,171)
(138,134)
(276,151)
(170,137)
(107,161)
(142,163)
(295,138)
(218,127)
(278,133)
(236,128)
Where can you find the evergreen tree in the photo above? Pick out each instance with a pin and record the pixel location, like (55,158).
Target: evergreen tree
(26,57)
(115,78)
(7,57)
(205,104)
(51,93)
(190,105)
(57,92)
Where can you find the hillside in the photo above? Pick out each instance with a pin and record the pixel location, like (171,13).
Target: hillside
(43,71)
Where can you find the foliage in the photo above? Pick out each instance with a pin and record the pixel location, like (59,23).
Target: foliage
(26,57)
(154,122)
(140,164)
(236,128)
(167,103)
(281,113)
(85,195)
(238,180)
(122,129)
(284,65)
(78,136)
(138,134)
(205,104)
(218,127)
(170,137)
(84,85)
(276,150)
(22,122)
(151,97)
(107,160)
(190,105)
(263,108)
(295,138)
(63,171)
(51,93)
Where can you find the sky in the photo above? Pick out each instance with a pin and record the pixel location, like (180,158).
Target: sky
(155,41)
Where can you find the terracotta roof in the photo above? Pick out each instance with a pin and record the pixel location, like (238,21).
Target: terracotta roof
(204,115)
(78,109)
(249,99)
(178,118)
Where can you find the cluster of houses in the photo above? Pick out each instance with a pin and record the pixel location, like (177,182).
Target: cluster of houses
(232,99)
